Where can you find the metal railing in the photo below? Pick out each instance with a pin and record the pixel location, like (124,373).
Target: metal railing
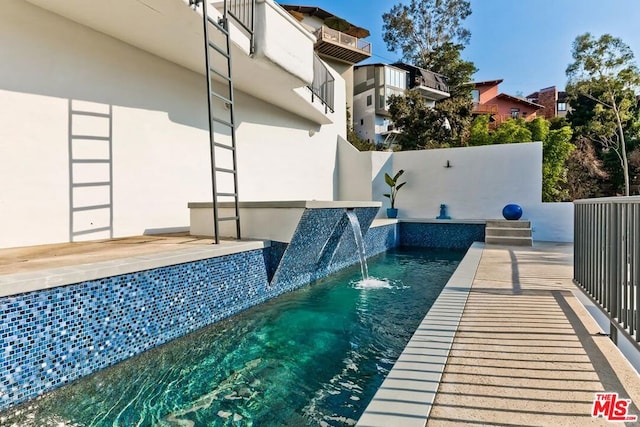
(323,84)
(607,259)
(338,37)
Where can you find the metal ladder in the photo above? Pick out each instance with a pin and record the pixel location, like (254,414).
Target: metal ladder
(90,170)
(220,102)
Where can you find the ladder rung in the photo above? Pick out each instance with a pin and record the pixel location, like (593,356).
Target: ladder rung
(95,230)
(217,95)
(227,194)
(225,170)
(219,50)
(222,122)
(91,137)
(91,113)
(229,218)
(227,147)
(218,26)
(91,184)
(90,208)
(221,74)
(90,161)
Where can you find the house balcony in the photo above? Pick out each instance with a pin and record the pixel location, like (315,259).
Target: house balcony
(431,85)
(341,46)
(479,108)
(278,70)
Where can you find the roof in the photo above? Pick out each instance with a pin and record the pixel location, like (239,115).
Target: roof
(520,100)
(330,20)
(488,82)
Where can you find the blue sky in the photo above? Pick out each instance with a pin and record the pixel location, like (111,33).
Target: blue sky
(526,43)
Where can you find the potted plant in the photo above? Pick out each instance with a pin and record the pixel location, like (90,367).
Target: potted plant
(393,183)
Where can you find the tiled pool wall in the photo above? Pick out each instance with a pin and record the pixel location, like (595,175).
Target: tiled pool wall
(444,235)
(53,336)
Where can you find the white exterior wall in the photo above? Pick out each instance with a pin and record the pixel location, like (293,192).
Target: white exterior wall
(479,183)
(160,156)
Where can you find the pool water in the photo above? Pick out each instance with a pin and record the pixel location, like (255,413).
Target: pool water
(315,356)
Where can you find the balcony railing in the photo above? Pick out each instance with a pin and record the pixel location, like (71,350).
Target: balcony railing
(341,46)
(323,84)
(607,259)
(485,108)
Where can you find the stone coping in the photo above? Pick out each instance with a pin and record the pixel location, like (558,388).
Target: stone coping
(12,284)
(407,394)
(307,204)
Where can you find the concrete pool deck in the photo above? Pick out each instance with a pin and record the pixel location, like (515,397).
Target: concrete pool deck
(526,352)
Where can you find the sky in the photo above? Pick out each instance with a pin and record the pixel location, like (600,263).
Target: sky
(526,43)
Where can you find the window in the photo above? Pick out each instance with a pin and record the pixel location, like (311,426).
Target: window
(361,122)
(475,94)
(369,100)
(396,78)
(515,113)
(562,106)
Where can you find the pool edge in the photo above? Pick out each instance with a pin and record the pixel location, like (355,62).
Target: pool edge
(406,395)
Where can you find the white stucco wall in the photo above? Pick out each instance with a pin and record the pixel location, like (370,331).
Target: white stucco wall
(159,138)
(479,183)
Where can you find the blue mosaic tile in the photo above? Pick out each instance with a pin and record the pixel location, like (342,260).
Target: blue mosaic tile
(54,336)
(440,235)
(322,244)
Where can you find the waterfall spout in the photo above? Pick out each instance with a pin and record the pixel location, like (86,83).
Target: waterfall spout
(357,233)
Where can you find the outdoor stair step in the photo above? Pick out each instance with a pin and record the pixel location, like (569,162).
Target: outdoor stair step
(509,240)
(507,232)
(495,223)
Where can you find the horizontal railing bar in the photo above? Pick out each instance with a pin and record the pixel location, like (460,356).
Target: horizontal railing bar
(91,137)
(90,208)
(91,113)
(229,218)
(607,200)
(226,147)
(95,230)
(90,161)
(227,194)
(225,170)
(92,184)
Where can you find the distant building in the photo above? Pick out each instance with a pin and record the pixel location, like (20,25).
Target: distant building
(500,106)
(554,101)
(375,83)
(338,42)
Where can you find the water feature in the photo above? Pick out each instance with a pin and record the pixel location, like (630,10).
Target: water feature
(315,356)
(357,234)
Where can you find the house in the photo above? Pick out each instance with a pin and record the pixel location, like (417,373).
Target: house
(554,101)
(104,124)
(501,106)
(375,83)
(338,42)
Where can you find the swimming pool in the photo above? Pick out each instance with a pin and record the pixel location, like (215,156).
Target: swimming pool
(315,356)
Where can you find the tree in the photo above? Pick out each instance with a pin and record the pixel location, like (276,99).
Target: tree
(479,133)
(422,127)
(604,72)
(539,128)
(511,131)
(430,35)
(585,171)
(556,148)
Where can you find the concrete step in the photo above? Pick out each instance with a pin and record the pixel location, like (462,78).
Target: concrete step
(508,241)
(508,232)
(494,223)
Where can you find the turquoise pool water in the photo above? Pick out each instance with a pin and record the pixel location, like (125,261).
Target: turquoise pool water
(315,356)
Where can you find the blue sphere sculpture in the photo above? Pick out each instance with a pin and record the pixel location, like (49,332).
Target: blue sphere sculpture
(512,212)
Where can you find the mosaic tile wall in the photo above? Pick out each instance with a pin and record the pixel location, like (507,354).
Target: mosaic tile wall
(51,337)
(440,235)
(322,244)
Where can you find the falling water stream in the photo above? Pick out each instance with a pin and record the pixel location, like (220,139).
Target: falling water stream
(357,233)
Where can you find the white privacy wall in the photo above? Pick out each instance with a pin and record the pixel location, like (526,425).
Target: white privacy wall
(160,156)
(478,184)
